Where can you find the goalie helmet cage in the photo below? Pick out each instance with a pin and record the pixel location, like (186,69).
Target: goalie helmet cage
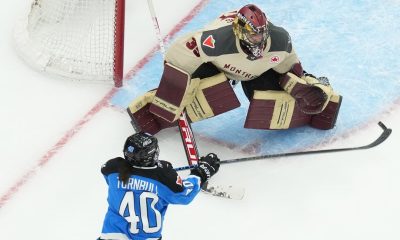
(74,39)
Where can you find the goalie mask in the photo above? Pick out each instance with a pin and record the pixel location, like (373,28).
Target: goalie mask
(141,149)
(251,27)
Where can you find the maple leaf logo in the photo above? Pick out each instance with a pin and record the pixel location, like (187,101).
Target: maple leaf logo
(274,59)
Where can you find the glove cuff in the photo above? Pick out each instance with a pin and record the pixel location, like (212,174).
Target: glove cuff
(197,172)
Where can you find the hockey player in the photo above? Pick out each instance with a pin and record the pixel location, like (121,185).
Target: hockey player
(243,46)
(140,187)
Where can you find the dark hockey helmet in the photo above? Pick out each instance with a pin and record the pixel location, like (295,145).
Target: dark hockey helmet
(141,149)
(251,27)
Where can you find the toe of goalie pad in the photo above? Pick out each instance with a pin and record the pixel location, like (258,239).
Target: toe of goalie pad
(175,91)
(274,110)
(213,97)
(326,119)
(142,119)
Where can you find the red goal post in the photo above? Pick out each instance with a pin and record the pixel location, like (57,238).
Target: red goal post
(75,39)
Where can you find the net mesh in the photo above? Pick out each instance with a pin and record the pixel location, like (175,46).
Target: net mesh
(71,38)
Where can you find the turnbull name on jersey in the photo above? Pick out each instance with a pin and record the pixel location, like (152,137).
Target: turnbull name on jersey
(137,184)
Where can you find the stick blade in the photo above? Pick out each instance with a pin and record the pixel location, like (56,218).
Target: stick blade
(230,192)
(384,135)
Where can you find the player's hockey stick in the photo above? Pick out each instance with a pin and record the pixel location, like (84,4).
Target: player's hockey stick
(186,132)
(192,155)
(384,135)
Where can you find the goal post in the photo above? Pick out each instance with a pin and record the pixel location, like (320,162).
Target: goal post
(75,39)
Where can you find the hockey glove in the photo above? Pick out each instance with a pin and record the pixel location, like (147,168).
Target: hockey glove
(311,94)
(207,167)
(310,99)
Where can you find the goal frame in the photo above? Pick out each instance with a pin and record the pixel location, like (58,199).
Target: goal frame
(119,42)
(30,50)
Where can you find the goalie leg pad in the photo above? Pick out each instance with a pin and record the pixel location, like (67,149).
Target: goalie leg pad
(274,110)
(142,119)
(326,119)
(214,96)
(175,91)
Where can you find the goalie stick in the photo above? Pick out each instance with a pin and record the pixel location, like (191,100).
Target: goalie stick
(384,135)
(186,132)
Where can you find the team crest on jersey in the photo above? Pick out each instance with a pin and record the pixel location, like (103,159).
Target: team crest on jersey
(179,181)
(209,42)
(274,59)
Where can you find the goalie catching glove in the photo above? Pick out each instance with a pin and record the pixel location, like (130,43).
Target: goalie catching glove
(311,94)
(207,167)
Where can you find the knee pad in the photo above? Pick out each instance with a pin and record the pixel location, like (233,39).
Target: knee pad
(213,97)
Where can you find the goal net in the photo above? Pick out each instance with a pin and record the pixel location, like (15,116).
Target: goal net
(76,39)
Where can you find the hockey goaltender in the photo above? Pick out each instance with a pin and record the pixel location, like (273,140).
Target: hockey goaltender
(239,46)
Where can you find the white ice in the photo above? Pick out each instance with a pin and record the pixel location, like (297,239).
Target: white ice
(352,195)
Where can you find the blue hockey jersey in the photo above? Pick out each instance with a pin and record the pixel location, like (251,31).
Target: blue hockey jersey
(136,209)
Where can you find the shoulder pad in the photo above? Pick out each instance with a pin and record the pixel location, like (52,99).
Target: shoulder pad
(218,41)
(164,164)
(112,166)
(280,39)
(166,175)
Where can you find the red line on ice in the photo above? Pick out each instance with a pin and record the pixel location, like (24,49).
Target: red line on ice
(99,106)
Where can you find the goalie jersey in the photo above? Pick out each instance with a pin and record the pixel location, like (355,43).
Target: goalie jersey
(136,209)
(217,44)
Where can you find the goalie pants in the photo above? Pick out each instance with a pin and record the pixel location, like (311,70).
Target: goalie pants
(269,80)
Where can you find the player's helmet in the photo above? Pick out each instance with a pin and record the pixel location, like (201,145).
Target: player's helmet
(251,27)
(141,149)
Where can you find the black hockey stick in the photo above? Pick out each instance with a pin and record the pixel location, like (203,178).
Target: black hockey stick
(384,135)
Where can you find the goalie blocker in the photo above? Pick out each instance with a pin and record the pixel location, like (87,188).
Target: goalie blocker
(201,98)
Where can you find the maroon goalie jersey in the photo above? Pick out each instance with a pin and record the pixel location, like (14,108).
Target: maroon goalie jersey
(217,44)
